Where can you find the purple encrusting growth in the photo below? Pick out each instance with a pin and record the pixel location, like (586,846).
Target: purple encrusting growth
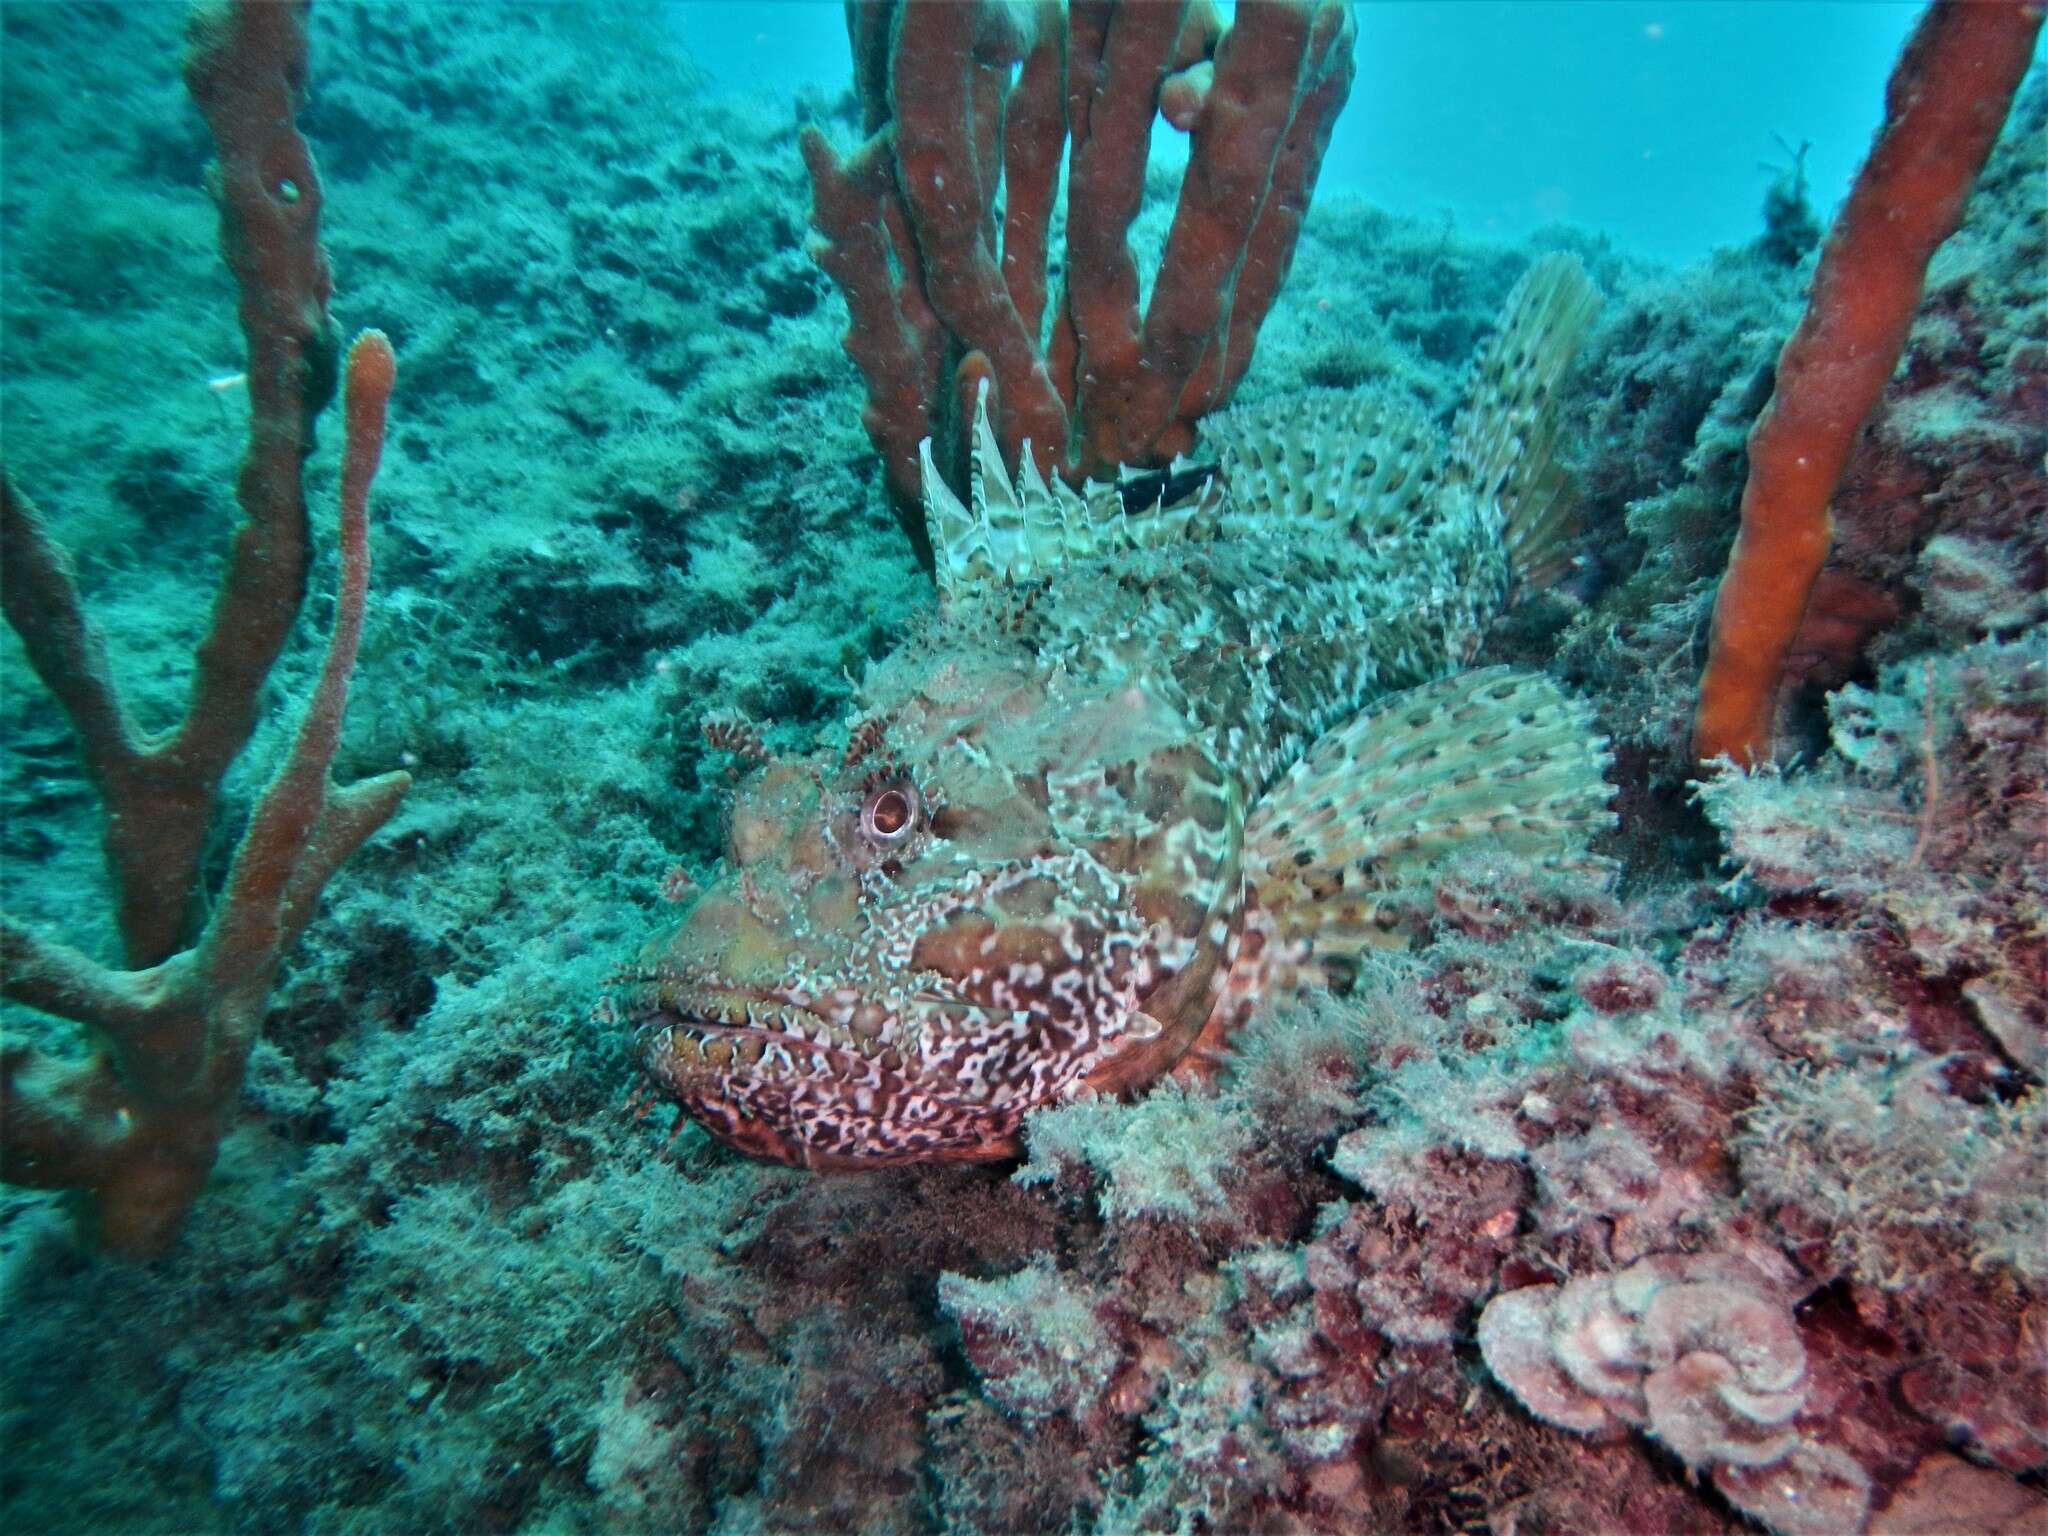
(446,1279)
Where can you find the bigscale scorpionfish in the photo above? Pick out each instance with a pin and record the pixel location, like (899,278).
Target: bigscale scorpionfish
(1150,766)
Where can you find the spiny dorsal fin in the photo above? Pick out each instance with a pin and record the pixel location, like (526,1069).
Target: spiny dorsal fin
(1503,439)
(960,555)
(998,505)
(1013,531)
(1338,853)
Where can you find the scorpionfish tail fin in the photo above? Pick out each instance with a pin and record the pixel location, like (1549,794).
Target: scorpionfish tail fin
(1504,438)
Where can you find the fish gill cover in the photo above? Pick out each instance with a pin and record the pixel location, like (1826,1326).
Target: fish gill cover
(1693,1183)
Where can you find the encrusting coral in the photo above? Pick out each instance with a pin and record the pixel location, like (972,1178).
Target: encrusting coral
(1701,1351)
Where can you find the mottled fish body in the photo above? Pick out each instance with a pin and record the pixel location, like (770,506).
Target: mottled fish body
(1148,767)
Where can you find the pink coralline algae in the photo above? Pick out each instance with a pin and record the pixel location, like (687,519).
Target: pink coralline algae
(1416,1262)
(1701,1352)
(1983,1378)
(1037,1339)
(1946,1495)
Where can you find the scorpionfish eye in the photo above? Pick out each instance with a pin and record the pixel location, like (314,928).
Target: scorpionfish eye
(889,815)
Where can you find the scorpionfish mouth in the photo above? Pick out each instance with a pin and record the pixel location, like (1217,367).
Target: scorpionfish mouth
(815,1081)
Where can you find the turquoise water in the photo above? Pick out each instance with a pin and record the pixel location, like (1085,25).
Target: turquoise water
(1646,121)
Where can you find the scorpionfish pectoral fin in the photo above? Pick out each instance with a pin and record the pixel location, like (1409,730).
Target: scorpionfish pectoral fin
(1339,854)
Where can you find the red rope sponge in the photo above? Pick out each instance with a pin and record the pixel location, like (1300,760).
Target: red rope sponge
(1947,98)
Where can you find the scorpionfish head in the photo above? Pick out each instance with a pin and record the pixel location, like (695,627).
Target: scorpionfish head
(1004,891)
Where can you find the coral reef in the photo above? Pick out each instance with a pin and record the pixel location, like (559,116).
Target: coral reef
(451,1275)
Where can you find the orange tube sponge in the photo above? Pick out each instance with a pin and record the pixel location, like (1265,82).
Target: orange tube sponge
(136,1125)
(1947,98)
(936,226)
